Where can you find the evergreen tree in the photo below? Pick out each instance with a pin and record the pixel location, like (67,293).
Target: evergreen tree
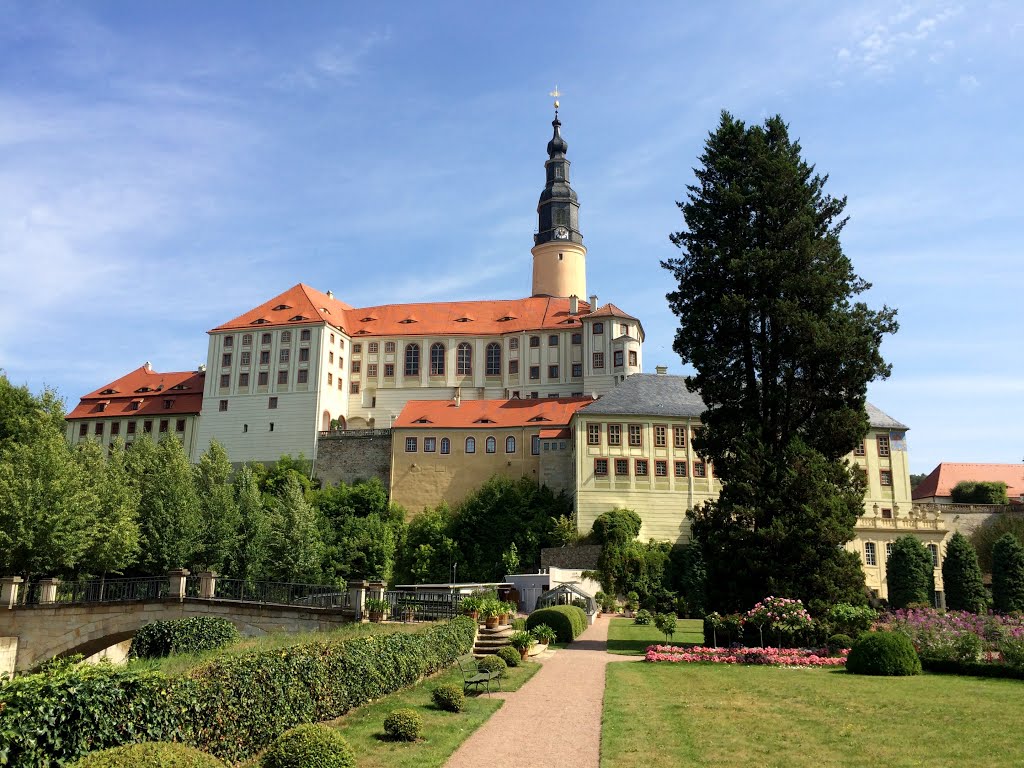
(910,573)
(783,355)
(218,512)
(1008,575)
(988,533)
(961,576)
(169,510)
(296,549)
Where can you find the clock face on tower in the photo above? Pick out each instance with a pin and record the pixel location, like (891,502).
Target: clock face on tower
(561,233)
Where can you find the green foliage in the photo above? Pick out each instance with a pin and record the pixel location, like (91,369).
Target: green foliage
(190,635)
(846,619)
(632,600)
(979,492)
(169,508)
(376,605)
(911,574)
(564,532)
(542,632)
(883,653)
(295,547)
(519,624)
(219,515)
(666,624)
(403,725)
(251,554)
(1008,574)
(521,639)
(837,643)
(961,576)
(688,577)
(783,354)
(429,550)
(988,533)
(272,480)
(915,480)
(618,526)
(309,746)
(492,664)
(510,656)
(149,755)
(567,621)
(510,559)
(449,697)
(362,532)
(643,617)
(232,706)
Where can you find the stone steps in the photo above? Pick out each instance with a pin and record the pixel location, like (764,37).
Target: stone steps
(489,641)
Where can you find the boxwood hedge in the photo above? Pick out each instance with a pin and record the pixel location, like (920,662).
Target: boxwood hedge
(231,706)
(568,621)
(149,755)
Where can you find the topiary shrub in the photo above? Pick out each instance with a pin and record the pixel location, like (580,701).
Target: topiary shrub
(403,725)
(883,653)
(510,656)
(568,621)
(192,635)
(519,624)
(643,617)
(492,664)
(149,755)
(449,697)
(837,643)
(309,746)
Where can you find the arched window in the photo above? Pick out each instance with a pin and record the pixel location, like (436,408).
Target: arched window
(412,360)
(446,445)
(437,359)
(510,444)
(470,445)
(491,446)
(464,360)
(493,360)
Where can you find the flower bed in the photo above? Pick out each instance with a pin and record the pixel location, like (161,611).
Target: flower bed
(780,657)
(961,637)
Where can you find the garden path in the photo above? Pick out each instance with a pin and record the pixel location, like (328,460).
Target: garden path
(555,719)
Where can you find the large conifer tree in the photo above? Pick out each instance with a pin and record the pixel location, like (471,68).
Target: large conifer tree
(961,576)
(783,355)
(910,573)
(1008,574)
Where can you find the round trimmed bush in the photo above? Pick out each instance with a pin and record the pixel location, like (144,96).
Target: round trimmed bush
(309,746)
(643,617)
(448,697)
(403,725)
(149,755)
(837,643)
(510,656)
(883,653)
(568,621)
(492,664)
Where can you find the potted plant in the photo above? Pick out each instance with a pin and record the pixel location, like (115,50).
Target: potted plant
(490,610)
(544,634)
(470,606)
(408,609)
(521,641)
(632,600)
(507,611)
(377,608)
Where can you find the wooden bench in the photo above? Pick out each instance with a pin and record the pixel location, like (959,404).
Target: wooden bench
(474,677)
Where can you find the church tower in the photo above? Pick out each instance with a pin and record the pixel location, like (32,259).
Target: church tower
(559,258)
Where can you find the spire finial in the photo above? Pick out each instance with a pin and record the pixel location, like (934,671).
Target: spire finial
(555,94)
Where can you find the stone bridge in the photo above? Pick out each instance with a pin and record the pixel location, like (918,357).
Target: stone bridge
(51,619)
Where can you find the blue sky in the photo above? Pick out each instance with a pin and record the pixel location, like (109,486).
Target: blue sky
(164,167)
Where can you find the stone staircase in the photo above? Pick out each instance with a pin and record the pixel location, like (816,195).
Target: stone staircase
(488,641)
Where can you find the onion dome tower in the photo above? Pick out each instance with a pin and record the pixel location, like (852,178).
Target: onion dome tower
(559,257)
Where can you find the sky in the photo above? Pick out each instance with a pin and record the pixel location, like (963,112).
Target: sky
(166,167)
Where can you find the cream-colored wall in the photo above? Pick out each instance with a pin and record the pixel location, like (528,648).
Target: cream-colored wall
(8,656)
(560,269)
(423,479)
(188,436)
(929,528)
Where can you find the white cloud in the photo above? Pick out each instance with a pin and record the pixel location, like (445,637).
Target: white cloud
(881,41)
(338,62)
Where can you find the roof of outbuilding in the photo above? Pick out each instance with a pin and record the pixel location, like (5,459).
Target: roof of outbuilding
(489,414)
(941,481)
(659,394)
(184,390)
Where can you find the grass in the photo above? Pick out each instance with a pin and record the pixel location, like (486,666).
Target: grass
(443,731)
(628,639)
(181,663)
(661,715)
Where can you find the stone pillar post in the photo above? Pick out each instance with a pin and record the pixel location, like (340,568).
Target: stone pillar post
(207,585)
(48,591)
(376,590)
(357,599)
(177,578)
(9,591)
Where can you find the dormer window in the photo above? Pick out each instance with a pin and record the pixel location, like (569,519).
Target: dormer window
(258,321)
(540,418)
(134,405)
(423,420)
(485,420)
(109,391)
(102,406)
(464,320)
(297,318)
(144,389)
(367,319)
(179,387)
(280,307)
(406,321)
(505,319)
(325,310)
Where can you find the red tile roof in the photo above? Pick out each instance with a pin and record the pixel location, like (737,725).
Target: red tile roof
(304,305)
(945,476)
(610,310)
(494,414)
(554,434)
(150,389)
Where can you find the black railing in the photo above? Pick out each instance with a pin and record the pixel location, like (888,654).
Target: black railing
(421,606)
(102,590)
(355,433)
(281,593)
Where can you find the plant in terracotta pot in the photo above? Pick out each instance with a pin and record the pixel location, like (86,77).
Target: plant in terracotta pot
(490,610)
(470,606)
(544,634)
(377,608)
(507,611)
(522,641)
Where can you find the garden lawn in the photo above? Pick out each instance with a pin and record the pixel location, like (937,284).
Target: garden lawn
(660,715)
(628,639)
(443,732)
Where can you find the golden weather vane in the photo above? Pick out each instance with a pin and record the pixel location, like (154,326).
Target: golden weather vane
(555,94)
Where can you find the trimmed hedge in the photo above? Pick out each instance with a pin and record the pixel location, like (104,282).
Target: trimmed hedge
(568,621)
(192,635)
(883,653)
(232,706)
(972,668)
(150,755)
(309,746)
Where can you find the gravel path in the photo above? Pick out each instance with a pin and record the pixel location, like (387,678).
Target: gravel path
(555,719)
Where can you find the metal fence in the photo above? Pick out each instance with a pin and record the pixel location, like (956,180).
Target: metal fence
(282,593)
(421,606)
(97,591)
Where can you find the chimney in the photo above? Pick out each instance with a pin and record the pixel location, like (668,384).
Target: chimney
(574,305)
(148,366)
(201,368)
(593,302)
(661,369)
(458,397)
(330,294)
